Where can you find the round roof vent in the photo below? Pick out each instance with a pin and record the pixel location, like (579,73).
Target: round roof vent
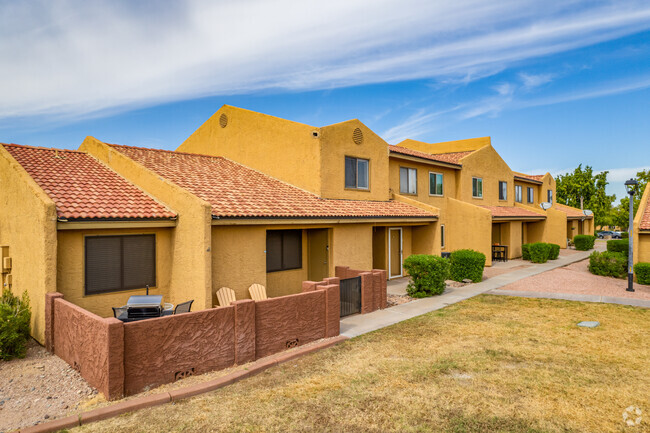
(223,120)
(357,136)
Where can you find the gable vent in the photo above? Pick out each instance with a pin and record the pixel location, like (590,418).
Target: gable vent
(223,120)
(357,136)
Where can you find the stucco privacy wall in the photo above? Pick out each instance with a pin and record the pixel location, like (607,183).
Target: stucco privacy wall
(90,344)
(266,143)
(337,142)
(469,226)
(552,230)
(373,287)
(70,269)
(28,228)
(191,275)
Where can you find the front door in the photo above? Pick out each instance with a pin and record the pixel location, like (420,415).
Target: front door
(395,249)
(318,240)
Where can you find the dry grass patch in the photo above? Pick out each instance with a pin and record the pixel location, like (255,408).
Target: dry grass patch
(489,364)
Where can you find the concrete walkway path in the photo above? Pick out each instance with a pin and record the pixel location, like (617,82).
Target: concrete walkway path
(359,324)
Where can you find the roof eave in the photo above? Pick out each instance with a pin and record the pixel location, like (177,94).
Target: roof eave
(525,179)
(425,160)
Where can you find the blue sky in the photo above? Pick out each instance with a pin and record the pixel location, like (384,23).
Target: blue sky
(554,85)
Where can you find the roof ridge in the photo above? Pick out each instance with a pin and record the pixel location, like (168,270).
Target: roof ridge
(56,149)
(175,152)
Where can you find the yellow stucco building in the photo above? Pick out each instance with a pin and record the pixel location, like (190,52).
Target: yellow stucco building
(251,198)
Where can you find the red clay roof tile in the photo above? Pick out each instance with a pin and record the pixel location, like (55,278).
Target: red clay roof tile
(571,212)
(645,220)
(236,191)
(450,158)
(512,212)
(535,177)
(83,188)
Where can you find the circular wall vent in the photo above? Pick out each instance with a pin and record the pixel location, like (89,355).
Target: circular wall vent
(223,120)
(357,136)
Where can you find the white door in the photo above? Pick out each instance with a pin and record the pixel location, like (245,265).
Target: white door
(394,252)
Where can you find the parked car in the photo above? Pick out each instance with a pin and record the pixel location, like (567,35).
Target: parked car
(613,235)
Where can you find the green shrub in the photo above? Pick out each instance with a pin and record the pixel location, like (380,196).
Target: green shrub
(14,325)
(428,275)
(584,242)
(619,246)
(625,235)
(608,264)
(539,252)
(525,251)
(642,271)
(466,264)
(554,252)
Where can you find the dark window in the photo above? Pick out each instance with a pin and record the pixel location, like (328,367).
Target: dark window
(283,250)
(356,173)
(408,180)
(518,194)
(477,187)
(115,263)
(442,236)
(531,195)
(549,195)
(435,183)
(503,190)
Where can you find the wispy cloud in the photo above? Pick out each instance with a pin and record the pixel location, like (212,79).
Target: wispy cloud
(531,81)
(414,126)
(74,58)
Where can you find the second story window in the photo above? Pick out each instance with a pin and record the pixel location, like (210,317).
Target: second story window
(408,180)
(531,195)
(518,194)
(477,187)
(356,173)
(549,195)
(503,190)
(435,183)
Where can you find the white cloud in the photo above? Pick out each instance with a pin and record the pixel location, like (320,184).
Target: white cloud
(531,81)
(75,58)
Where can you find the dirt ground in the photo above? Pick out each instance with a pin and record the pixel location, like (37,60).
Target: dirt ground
(38,388)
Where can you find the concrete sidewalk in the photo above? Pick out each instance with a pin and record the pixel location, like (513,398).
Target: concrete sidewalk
(359,324)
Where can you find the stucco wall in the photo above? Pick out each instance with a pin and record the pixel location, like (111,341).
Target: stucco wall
(511,236)
(486,164)
(551,230)
(28,228)
(280,148)
(289,282)
(191,274)
(337,143)
(469,226)
(447,146)
(641,242)
(71,268)
(352,246)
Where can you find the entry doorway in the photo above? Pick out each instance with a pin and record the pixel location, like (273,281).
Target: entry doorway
(395,252)
(318,244)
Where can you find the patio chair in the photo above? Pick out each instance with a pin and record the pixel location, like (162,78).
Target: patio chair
(183,307)
(258,292)
(225,296)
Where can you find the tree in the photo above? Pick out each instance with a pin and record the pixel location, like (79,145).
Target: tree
(620,214)
(591,187)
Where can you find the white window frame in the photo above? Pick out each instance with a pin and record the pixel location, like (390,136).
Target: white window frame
(478,179)
(442,182)
(409,179)
(519,194)
(367,188)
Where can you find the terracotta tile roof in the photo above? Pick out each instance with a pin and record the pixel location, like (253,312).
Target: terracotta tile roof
(449,158)
(512,212)
(535,177)
(645,220)
(83,188)
(571,212)
(236,191)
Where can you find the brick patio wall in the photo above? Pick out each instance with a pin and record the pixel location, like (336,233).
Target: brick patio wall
(373,287)
(125,358)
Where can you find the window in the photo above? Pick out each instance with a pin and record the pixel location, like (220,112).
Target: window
(518,194)
(477,187)
(283,250)
(503,190)
(435,183)
(442,236)
(549,195)
(115,263)
(531,195)
(408,182)
(356,173)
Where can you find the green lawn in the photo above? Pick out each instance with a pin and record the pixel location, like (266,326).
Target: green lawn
(489,364)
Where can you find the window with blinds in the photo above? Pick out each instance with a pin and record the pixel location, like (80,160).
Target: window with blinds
(283,250)
(115,263)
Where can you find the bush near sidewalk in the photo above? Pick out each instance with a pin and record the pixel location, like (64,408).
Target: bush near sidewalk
(608,264)
(539,252)
(642,271)
(619,246)
(525,251)
(554,252)
(467,264)
(15,316)
(584,242)
(428,274)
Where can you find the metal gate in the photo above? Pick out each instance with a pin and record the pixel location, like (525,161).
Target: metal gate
(350,296)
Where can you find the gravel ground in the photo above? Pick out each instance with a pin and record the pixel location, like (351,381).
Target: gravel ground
(38,388)
(576,278)
(392,300)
